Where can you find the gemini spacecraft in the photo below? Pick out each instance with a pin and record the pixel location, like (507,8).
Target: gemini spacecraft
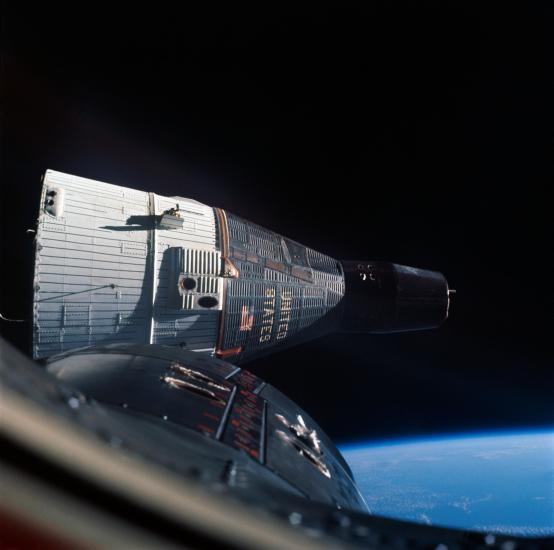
(138,427)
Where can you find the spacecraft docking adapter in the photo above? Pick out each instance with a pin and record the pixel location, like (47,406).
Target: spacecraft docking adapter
(115,265)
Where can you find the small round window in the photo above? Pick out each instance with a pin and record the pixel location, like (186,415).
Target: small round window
(188,283)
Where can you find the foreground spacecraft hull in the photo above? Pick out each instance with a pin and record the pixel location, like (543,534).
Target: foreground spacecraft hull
(80,472)
(248,432)
(114,264)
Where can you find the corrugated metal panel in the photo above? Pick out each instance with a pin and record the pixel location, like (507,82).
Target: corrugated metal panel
(284,288)
(192,329)
(90,266)
(201,269)
(323,263)
(101,271)
(200,262)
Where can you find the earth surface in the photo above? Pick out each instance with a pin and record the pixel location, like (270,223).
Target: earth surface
(494,483)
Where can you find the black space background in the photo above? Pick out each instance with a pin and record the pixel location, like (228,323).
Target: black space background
(421,136)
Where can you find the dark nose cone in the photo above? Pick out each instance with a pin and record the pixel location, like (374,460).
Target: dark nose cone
(385,297)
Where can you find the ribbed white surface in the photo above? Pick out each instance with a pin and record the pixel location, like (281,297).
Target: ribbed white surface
(197,328)
(101,275)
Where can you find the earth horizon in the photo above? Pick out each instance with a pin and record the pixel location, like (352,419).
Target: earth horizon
(498,483)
